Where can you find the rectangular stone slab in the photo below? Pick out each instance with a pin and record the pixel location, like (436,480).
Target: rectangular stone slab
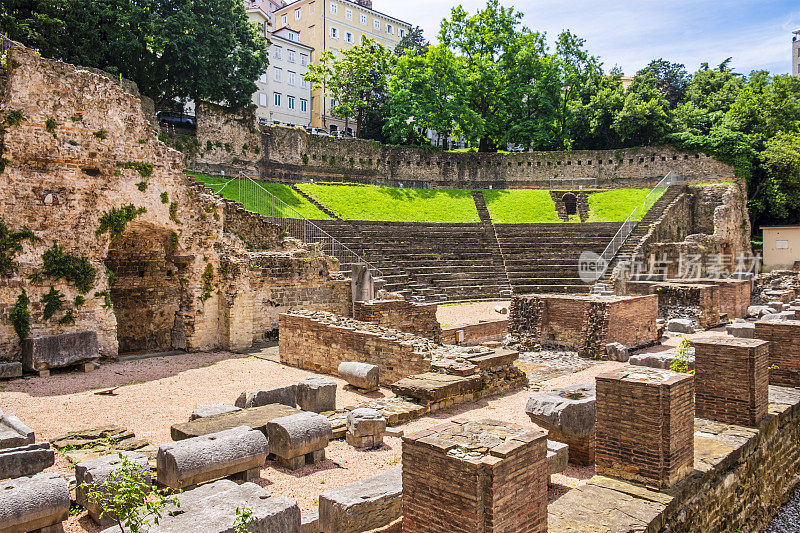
(55,351)
(493,360)
(256,418)
(432,387)
(26,460)
(367,504)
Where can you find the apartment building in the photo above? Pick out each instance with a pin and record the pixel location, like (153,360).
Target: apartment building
(796,54)
(337,25)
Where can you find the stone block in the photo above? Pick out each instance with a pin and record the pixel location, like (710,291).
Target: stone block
(741,330)
(56,351)
(757,311)
(212,508)
(286,395)
(10,370)
(255,418)
(617,352)
(368,504)
(90,476)
(365,428)
(309,522)
(359,375)
(645,425)
(661,360)
(299,439)
(33,503)
(316,394)
(432,387)
(204,411)
(557,457)
(13,433)
(206,458)
(680,325)
(25,460)
(779,316)
(784,351)
(569,417)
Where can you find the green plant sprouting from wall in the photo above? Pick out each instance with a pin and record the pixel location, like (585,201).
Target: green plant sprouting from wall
(164,198)
(74,269)
(244,517)
(681,361)
(101,134)
(79,300)
(11,245)
(68,318)
(208,282)
(20,316)
(173,212)
(53,302)
(14,117)
(145,170)
(50,125)
(106,296)
(142,186)
(116,220)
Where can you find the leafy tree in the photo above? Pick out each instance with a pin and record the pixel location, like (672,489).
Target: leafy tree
(415,40)
(319,75)
(644,118)
(779,194)
(671,79)
(591,115)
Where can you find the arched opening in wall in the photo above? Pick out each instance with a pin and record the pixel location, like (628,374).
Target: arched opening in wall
(146,291)
(570,203)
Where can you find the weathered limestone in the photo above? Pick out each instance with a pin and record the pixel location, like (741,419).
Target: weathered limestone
(25,460)
(10,370)
(286,395)
(645,425)
(13,433)
(617,352)
(569,417)
(731,380)
(33,503)
(680,325)
(658,360)
(309,522)
(95,472)
(368,504)
(93,443)
(206,458)
(557,457)
(475,476)
(204,411)
(255,418)
(56,351)
(741,330)
(299,439)
(316,394)
(784,351)
(365,428)
(212,508)
(432,387)
(360,375)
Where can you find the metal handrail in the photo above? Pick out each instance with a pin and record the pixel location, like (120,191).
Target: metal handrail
(264,203)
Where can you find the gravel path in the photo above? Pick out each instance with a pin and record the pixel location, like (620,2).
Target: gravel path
(788,518)
(456,315)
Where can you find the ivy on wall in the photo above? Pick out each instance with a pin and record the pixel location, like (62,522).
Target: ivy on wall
(20,316)
(144,169)
(72,268)
(116,220)
(11,245)
(53,302)
(208,282)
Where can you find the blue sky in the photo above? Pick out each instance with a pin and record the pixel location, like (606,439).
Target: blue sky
(757,34)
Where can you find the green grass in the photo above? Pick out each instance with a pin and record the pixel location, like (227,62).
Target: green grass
(615,205)
(394,204)
(517,206)
(262,204)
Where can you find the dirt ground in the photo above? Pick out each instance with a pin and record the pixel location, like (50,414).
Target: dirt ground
(464,314)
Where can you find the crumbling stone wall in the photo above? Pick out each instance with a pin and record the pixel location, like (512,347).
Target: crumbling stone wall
(704,300)
(419,319)
(229,141)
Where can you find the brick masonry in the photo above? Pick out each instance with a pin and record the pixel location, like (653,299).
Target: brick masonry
(645,425)
(585,323)
(419,319)
(784,351)
(468,476)
(731,379)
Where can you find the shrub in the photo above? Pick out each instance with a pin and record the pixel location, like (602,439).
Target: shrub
(208,279)
(20,316)
(681,361)
(144,169)
(15,117)
(116,220)
(74,269)
(53,302)
(142,186)
(173,212)
(11,245)
(164,197)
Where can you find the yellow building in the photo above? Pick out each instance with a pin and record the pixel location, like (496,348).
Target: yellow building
(337,25)
(781,247)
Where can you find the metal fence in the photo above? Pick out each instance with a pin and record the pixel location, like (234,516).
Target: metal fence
(254,197)
(572,183)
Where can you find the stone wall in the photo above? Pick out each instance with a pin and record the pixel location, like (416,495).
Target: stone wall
(419,319)
(493,330)
(584,323)
(290,154)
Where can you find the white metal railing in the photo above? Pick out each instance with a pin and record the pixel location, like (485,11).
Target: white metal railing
(255,198)
(572,183)
(634,218)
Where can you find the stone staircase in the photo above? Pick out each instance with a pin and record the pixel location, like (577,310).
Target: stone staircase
(315,202)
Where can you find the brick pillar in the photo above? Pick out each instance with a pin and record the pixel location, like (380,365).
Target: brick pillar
(731,379)
(645,425)
(468,476)
(784,351)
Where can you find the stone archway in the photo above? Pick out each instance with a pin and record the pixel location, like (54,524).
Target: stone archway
(570,203)
(147,290)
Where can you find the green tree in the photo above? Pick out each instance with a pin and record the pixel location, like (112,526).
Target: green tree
(644,118)
(319,74)
(779,195)
(671,79)
(591,115)
(415,40)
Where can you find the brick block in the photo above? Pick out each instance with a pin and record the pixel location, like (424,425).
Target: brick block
(784,351)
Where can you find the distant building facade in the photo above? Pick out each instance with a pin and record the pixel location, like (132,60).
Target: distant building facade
(337,25)
(796,54)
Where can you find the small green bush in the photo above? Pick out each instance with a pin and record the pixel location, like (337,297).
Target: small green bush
(173,212)
(144,169)
(164,197)
(74,269)
(50,125)
(116,220)
(53,302)
(15,117)
(101,134)
(142,186)
(20,316)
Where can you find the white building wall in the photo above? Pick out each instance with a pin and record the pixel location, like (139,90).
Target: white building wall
(283,96)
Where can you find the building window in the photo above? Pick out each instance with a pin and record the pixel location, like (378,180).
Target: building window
(334,33)
(401,32)
(278,52)
(348,14)
(334,8)
(303,60)
(284,20)
(297,14)
(290,102)
(363,19)
(262,99)
(333,103)
(277,99)
(290,56)
(348,37)
(303,105)
(389,29)
(290,77)
(277,74)
(377,24)
(263,78)
(303,83)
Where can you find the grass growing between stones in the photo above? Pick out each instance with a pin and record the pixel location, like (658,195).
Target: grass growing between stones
(519,206)
(614,205)
(262,204)
(393,204)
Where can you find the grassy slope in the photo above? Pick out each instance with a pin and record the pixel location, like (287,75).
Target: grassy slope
(263,207)
(393,204)
(516,206)
(614,205)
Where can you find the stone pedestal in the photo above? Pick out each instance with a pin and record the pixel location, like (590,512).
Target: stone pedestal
(475,476)
(569,417)
(365,428)
(731,379)
(316,394)
(784,351)
(645,425)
